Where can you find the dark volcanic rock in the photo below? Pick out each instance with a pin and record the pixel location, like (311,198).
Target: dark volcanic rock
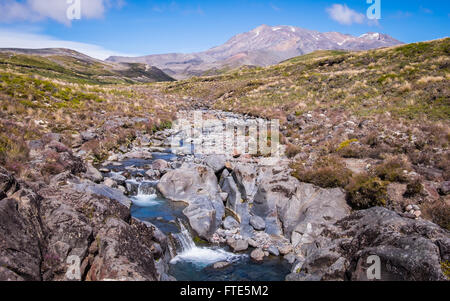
(21,240)
(124,253)
(8,184)
(445,188)
(408,249)
(42,229)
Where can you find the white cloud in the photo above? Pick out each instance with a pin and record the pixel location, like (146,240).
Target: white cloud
(17,39)
(38,10)
(345,15)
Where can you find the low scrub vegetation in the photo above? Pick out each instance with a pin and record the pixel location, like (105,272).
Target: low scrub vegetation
(365,191)
(327,172)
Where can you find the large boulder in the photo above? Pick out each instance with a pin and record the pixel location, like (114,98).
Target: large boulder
(104,191)
(408,249)
(160,165)
(245,176)
(291,208)
(237,205)
(230,223)
(202,216)
(93,174)
(258,223)
(311,210)
(238,245)
(216,162)
(257,255)
(20,240)
(126,252)
(197,186)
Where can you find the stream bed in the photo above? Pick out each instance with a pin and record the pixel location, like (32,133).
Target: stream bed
(194,261)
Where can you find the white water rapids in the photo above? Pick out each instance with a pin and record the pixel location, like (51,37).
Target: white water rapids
(187,249)
(201,256)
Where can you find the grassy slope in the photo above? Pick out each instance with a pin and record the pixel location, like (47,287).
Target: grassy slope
(66,95)
(409,81)
(83,71)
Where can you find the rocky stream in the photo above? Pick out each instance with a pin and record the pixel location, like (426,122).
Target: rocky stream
(150,212)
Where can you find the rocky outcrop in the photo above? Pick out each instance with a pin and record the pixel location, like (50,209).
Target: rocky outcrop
(103,190)
(408,249)
(237,205)
(291,208)
(126,252)
(202,216)
(197,186)
(21,237)
(8,184)
(48,228)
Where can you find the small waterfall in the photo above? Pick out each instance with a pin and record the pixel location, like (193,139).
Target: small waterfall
(146,195)
(200,256)
(146,188)
(184,238)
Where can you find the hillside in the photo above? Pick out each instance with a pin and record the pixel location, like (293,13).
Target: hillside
(375,123)
(263,46)
(408,81)
(70,65)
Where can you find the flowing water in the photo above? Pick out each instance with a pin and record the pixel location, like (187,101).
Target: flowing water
(194,262)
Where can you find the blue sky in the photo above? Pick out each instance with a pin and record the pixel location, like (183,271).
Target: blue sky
(137,27)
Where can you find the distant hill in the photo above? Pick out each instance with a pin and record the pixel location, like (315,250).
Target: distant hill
(263,46)
(71,65)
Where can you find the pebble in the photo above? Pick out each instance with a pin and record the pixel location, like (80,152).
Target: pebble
(257,255)
(221,265)
(274,251)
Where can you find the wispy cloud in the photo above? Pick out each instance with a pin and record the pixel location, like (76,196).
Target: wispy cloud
(19,39)
(275,7)
(345,15)
(39,10)
(426,10)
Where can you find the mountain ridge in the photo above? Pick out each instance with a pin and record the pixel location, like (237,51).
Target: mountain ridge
(55,62)
(262,46)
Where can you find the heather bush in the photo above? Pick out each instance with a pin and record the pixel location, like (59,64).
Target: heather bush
(365,191)
(327,172)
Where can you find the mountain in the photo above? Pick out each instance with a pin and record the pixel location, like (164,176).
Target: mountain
(72,65)
(263,46)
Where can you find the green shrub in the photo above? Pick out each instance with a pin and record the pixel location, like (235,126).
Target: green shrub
(292,150)
(392,170)
(365,192)
(327,172)
(414,188)
(13,151)
(445,266)
(348,149)
(438,212)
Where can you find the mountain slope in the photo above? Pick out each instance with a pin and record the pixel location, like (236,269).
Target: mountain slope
(409,81)
(262,46)
(71,65)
